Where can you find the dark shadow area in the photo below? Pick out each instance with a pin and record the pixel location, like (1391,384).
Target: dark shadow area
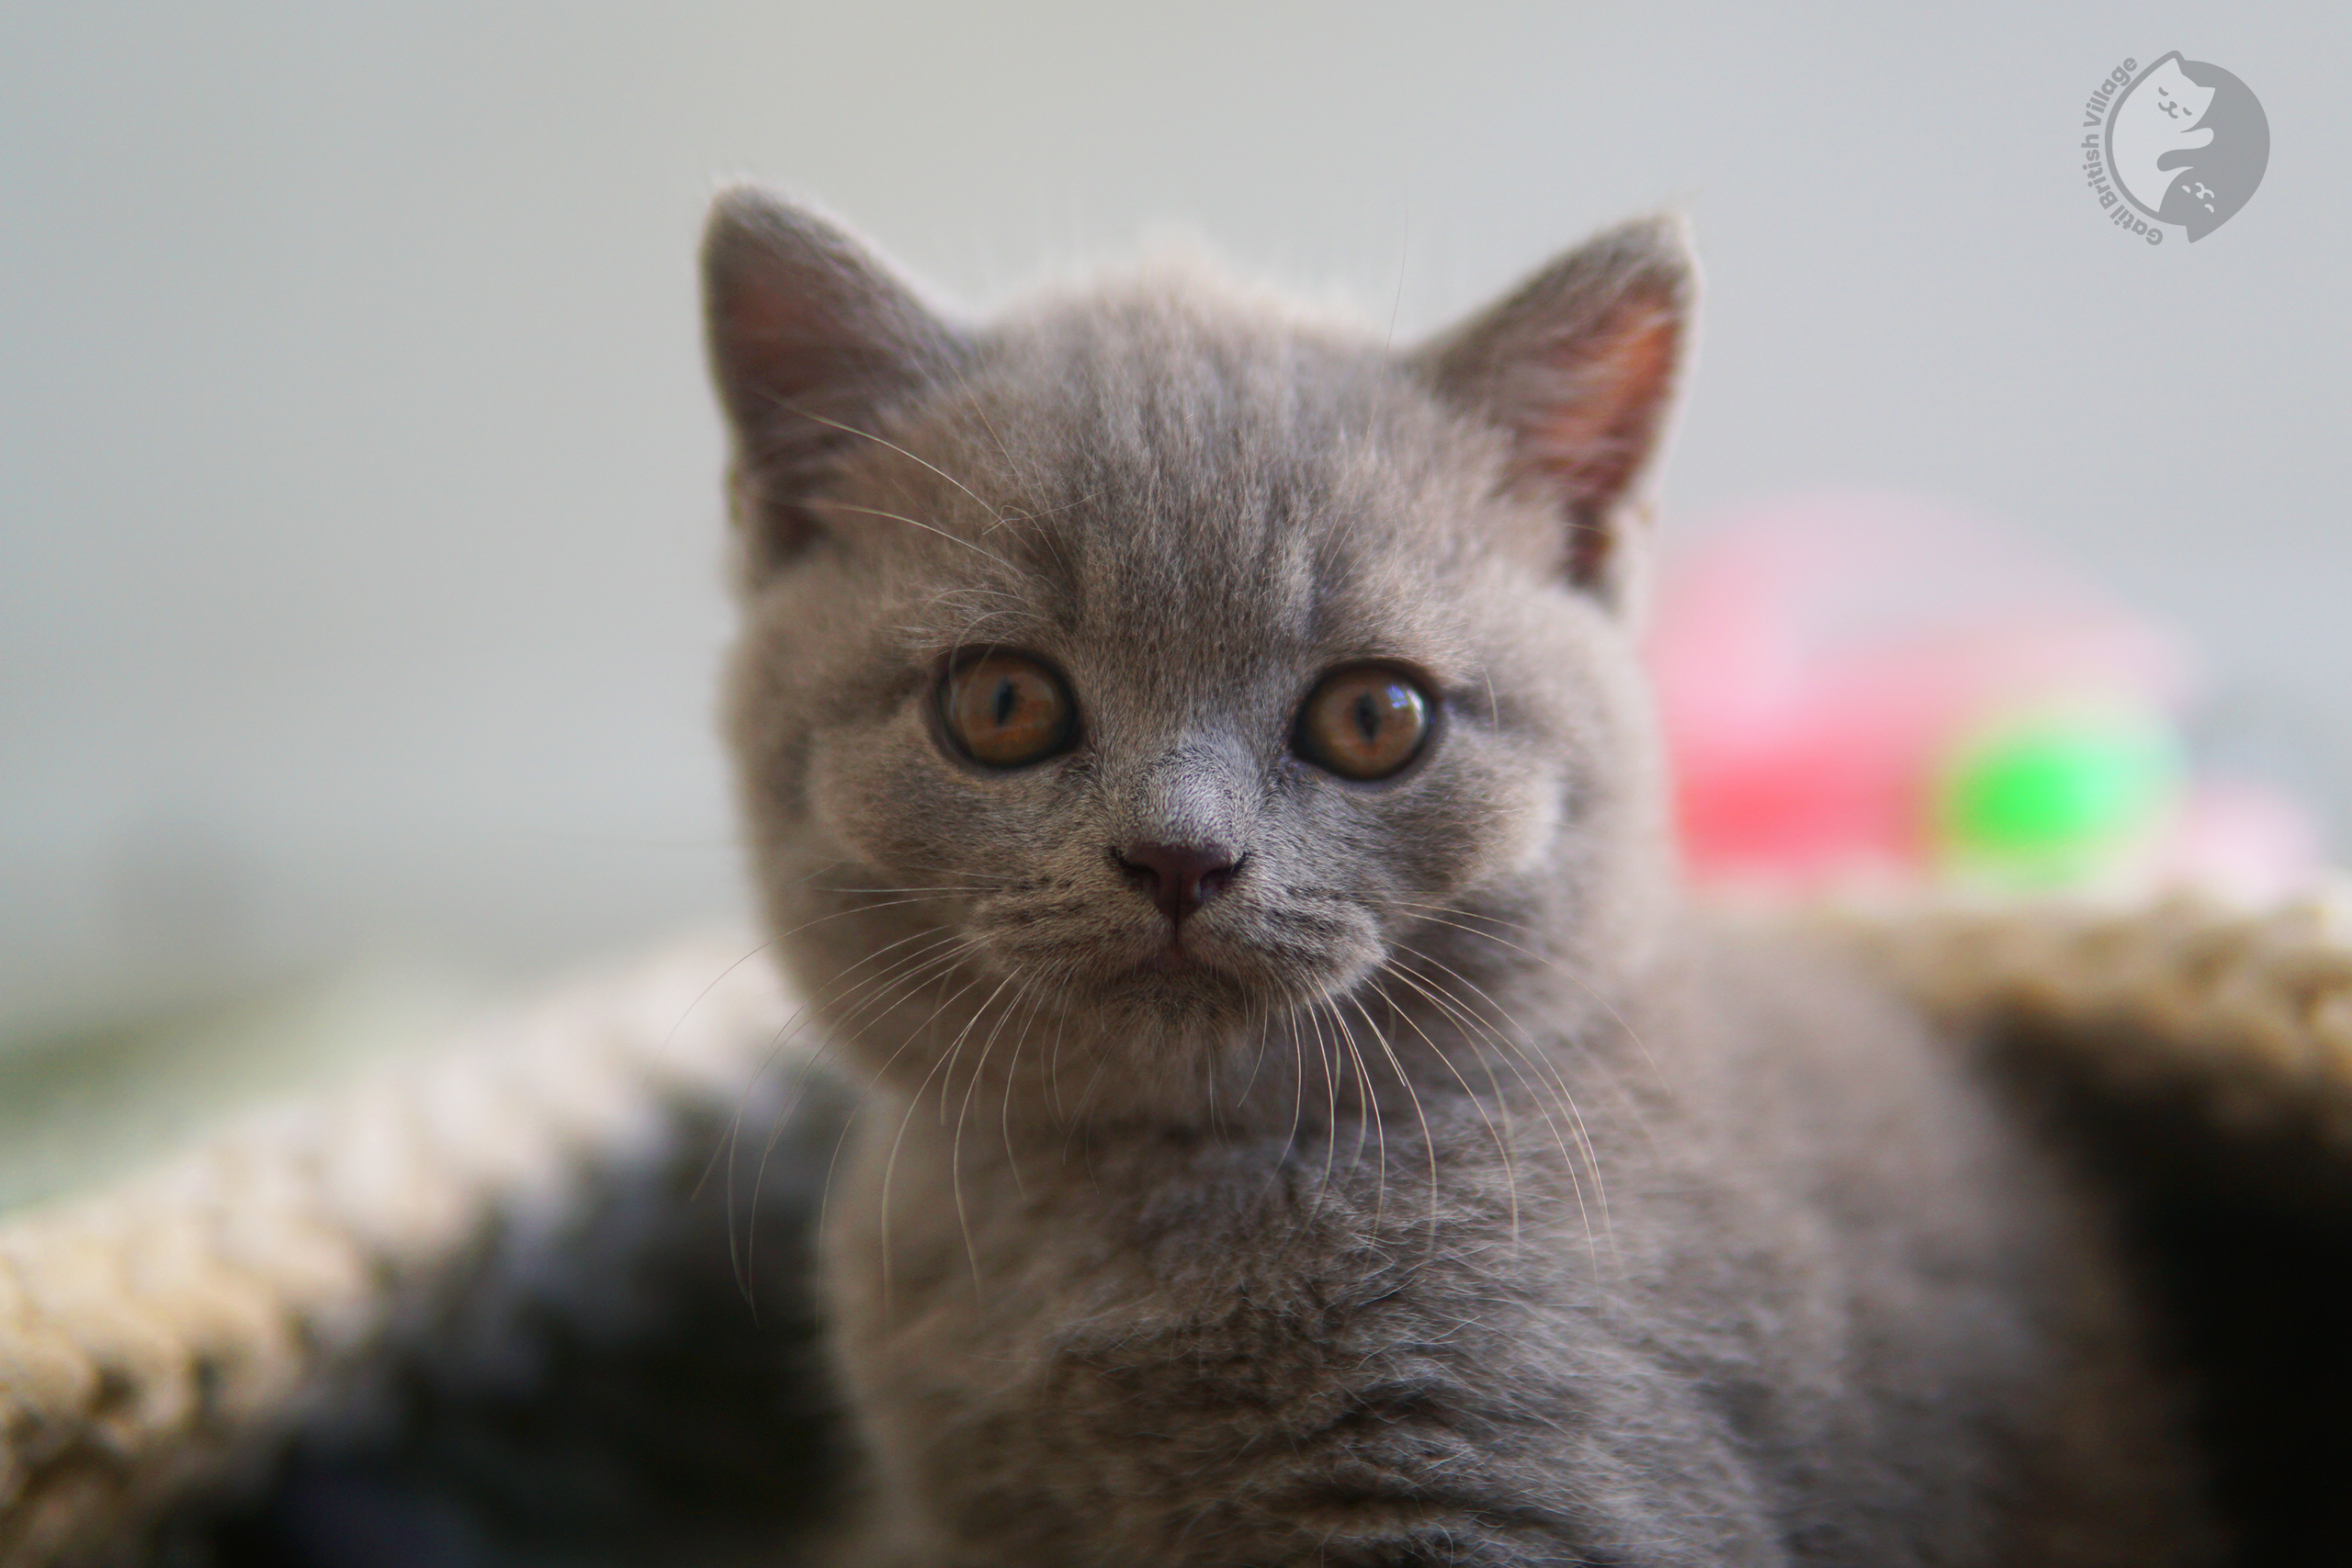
(2241,1228)
(606,1397)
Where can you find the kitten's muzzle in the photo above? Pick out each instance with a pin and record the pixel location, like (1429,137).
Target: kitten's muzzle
(1177,878)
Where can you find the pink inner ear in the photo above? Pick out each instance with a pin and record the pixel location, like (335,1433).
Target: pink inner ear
(1589,434)
(781,340)
(757,318)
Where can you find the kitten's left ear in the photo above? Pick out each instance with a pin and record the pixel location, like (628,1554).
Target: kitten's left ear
(1580,366)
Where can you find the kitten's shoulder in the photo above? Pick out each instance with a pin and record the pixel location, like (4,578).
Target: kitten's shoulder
(1783,1041)
(1786,985)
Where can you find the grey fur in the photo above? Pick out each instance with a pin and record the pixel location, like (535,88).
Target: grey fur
(1456,1200)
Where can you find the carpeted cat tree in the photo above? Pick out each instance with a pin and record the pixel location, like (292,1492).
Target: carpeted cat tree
(452,1315)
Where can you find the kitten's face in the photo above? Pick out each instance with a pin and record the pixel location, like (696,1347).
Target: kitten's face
(1161,662)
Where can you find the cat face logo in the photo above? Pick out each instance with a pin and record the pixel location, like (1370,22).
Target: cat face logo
(2186,143)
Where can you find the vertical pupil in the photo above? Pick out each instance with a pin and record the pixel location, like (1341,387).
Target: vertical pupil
(1006,698)
(1367,714)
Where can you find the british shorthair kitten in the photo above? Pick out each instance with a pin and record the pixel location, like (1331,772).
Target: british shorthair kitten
(1200,776)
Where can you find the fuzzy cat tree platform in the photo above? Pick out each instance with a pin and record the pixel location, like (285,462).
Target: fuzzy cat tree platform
(338,1324)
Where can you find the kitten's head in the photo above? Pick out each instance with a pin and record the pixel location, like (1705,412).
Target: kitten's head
(1157,660)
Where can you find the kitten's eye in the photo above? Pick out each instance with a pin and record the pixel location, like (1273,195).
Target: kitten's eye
(1364,722)
(1006,710)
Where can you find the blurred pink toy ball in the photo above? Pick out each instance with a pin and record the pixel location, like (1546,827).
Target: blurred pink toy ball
(1866,685)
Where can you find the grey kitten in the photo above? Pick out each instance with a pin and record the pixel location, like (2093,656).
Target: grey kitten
(1199,773)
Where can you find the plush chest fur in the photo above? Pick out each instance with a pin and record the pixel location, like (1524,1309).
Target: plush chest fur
(1793,1292)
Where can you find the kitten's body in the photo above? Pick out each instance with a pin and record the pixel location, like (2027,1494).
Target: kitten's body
(1829,1314)
(1432,1193)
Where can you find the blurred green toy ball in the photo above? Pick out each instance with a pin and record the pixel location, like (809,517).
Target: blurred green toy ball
(2055,797)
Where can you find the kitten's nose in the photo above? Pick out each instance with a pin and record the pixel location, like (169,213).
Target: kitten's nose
(1179,878)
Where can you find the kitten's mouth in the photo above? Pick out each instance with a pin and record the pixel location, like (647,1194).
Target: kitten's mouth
(1186,958)
(1209,964)
(1172,956)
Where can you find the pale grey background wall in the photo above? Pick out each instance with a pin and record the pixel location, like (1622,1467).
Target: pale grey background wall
(358,521)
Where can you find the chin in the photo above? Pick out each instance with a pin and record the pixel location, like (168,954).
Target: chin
(1209,978)
(1151,982)
(1181,985)
(1222,982)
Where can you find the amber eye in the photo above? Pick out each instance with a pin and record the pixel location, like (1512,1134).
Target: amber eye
(1005,710)
(1364,722)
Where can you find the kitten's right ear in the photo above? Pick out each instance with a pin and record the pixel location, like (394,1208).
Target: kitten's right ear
(811,340)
